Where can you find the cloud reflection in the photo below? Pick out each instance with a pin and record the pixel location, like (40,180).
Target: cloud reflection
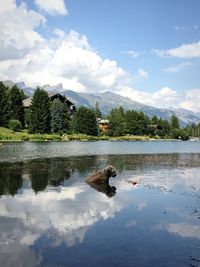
(65,213)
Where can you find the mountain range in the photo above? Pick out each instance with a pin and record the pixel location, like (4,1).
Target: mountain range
(109,100)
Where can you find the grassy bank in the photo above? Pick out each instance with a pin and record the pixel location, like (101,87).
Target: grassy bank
(7,135)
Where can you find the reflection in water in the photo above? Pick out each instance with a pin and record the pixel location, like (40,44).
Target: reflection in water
(67,221)
(10,180)
(105,188)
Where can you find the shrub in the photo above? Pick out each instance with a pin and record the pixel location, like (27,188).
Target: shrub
(14,125)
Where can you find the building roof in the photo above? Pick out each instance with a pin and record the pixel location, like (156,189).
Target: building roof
(27,101)
(102,121)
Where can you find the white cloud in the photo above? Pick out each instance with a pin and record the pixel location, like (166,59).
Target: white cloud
(191,100)
(143,74)
(17,33)
(7,5)
(165,98)
(184,51)
(132,53)
(52,7)
(183,230)
(66,59)
(179,67)
(63,220)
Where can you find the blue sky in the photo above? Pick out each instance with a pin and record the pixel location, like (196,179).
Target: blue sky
(148,50)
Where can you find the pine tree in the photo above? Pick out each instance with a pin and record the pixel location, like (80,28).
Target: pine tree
(117,124)
(163,128)
(97,111)
(56,116)
(4,105)
(65,117)
(154,120)
(131,122)
(40,112)
(85,121)
(16,105)
(174,122)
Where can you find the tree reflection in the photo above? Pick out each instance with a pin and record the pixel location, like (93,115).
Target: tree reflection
(10,180)
(55,171)
(39,181)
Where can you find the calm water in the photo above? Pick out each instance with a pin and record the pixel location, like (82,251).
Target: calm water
(49,216)
(32,150)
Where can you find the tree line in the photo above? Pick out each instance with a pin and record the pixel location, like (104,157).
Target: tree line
(44,116)
(133,122)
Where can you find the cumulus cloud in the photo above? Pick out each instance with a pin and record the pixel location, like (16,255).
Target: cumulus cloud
(64,58)
(52,7)
(17,33)
(184,51)
(165,97)
(67,59)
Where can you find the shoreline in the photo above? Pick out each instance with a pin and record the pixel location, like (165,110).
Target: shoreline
(6,135)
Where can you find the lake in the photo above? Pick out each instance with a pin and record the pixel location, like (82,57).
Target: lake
(148,215)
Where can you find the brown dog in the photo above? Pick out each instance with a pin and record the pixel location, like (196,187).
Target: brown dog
(102,176)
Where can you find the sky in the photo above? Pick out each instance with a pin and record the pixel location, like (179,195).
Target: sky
(147,50)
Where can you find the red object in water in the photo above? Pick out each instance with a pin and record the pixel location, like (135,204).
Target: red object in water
(134,182)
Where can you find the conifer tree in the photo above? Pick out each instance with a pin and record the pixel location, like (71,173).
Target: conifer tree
(16,104)
(85,121)
(65,116)
(117,124)
(56,116)
(154,120)
(97,111)
(4,105)
(174,122)
(40,117)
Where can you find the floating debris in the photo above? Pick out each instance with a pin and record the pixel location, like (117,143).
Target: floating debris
(133,182)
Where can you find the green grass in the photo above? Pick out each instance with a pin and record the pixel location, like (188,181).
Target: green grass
(84,137)
(8,135)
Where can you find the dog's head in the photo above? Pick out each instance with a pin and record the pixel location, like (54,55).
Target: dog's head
(110,171)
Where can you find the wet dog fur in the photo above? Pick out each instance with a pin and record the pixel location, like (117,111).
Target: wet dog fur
(102,176)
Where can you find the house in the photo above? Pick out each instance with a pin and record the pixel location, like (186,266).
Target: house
(52,97)
(103,124)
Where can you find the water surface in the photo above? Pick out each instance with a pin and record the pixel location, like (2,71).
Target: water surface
(31,150)
(49,216)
